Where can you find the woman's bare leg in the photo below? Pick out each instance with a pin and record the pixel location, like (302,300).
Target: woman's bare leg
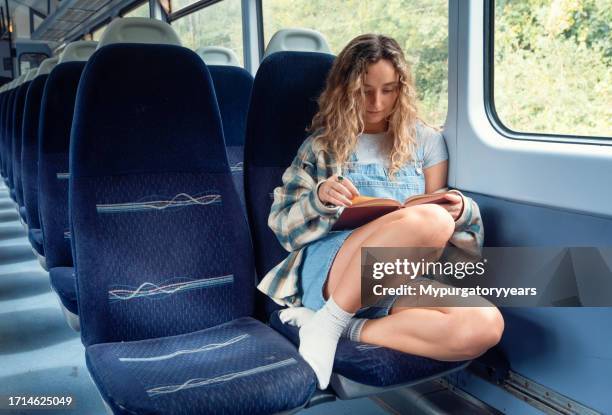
(418,226)
(443,333)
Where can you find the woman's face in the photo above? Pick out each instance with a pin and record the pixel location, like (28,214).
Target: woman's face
(381,88)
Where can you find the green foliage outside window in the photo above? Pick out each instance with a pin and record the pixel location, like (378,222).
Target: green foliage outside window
(420,27)
(552,58)
(216,25)
(553,66)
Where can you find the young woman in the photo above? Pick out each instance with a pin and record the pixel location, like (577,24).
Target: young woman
(368,140)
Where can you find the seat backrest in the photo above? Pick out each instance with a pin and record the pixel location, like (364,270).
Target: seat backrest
(281,109)
(29,155)
(297,39)
(6,135)
(16,131)
(56,113)
(233,87)
(3,104)
(162,247)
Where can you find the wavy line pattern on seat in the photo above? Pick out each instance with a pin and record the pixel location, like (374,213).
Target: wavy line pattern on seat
(206,348)
(180,200)
(149,289)
(199,382)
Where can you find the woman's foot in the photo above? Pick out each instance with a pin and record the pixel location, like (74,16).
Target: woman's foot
(319,338)
(298,316)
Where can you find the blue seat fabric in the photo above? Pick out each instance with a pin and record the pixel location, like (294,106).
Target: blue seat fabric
(56,115)
(8,114)
(233,87)
(63,282)
(22,213)
(3,105)
(238,367)
(36,240)
(16,131)
(282,106)
(29,156)
(162,249)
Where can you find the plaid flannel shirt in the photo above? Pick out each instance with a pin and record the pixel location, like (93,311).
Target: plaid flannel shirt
(298,217)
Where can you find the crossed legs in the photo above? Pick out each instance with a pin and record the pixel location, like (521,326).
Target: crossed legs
(442,333)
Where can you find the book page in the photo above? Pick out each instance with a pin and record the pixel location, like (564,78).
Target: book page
(363,201)
(426,198)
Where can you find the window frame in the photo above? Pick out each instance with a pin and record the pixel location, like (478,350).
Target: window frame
(194,7)
(247,57)
(134,6)
(489,94)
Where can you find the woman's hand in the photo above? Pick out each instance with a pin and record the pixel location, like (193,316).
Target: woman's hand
(337,190)
(454,205)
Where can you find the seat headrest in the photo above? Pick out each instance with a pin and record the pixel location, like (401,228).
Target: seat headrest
(20,79)
(78,51)
(139,30)
(296,39)
(30,74)
(47,65)
(217,55)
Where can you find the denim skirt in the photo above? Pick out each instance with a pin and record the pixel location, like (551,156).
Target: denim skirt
(318,259)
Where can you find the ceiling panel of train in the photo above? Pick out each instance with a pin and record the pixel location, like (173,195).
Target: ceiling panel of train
(69,17)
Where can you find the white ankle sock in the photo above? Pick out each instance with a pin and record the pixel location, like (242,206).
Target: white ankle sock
(319,339)
(298,316)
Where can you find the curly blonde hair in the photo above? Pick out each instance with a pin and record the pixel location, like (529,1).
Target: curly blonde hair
(341,104)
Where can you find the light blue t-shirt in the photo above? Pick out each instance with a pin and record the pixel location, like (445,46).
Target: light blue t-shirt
(431,147)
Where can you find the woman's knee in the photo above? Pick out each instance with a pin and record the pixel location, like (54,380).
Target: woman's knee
(474,330)
(431,224)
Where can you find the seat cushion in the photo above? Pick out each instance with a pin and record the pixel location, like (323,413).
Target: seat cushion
(374,365)
(22,213)
(63,282)
(240,367)
(36,239)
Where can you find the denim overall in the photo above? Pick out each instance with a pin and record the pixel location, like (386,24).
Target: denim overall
(370,179)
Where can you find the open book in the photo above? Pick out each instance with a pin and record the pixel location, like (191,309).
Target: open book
(365,209)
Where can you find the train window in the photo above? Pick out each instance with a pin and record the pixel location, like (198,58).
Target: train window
(139,11)
(420,27)
(552,66)
(28,61)
(217,25)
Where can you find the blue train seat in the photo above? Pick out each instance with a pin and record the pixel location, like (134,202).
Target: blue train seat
(281,108)
(233,86)
(3,96)
(57,109)
(163,256)
(6,98)
(29,154)
(9,133)
(16,132)
(7,143)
